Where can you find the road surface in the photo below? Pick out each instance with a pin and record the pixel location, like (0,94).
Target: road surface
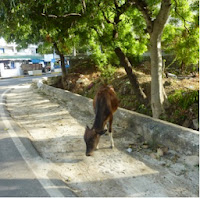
(23,173)
(59,140)
(110,172)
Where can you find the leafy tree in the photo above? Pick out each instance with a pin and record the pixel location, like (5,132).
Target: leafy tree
(119,32)
(111,37)
(110,29)
(33,21)
(181,35)
(155,14)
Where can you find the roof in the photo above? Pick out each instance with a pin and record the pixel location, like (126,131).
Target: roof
(21,57)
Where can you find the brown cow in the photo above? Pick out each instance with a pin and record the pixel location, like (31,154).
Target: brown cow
(105,103)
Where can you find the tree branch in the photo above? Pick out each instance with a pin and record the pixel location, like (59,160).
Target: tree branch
(84,5)
(56,48)
(116,4)
(94,28)
(142,6)
(63,16)
(107,20)
(181,16)
(121,9)
(162,16)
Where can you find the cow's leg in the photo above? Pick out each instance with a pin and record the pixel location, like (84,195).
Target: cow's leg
(97,145)
(110,132)
(111,140)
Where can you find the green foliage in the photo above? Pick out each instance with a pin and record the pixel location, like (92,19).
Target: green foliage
(45,48)
(184,99)
(132,39)
(126,101)
(184,106)
(27,22)
(33,22)
(144,110)
(181,35)
(99,57)
(107,72)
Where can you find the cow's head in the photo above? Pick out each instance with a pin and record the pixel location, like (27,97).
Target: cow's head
(91,138)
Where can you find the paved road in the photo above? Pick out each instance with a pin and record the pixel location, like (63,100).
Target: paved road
(110,172)
(22,171)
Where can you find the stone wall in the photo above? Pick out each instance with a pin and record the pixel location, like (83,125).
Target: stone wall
(181,139)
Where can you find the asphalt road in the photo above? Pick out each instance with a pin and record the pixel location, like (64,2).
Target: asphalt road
(23,173)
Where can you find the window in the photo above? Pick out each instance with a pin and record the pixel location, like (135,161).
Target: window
(12,65)
(2,51)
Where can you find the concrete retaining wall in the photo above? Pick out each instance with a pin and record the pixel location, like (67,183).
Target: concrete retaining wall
(155,131)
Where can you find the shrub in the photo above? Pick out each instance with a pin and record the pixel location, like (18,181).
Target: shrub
(184,99)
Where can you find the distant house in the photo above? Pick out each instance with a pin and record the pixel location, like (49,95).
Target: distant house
(11,59)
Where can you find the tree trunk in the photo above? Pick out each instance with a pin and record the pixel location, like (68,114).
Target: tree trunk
(182,67)
(158,95)
(64,73)
(63,68)
(155,28)
(122,57)
(74,51)
(132,77)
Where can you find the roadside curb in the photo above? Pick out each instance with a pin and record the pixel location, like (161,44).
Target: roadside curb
(155,131)
(3,78)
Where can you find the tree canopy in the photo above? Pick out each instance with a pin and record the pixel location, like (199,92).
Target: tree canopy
(72,24)
(181,35)
(105,27)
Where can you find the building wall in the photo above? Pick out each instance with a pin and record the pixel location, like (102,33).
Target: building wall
(11,58)
(6,73)
(11,49)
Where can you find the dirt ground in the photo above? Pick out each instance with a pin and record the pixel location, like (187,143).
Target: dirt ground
(85,81)
(57,133)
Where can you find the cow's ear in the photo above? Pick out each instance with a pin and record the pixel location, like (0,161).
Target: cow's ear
(102,132)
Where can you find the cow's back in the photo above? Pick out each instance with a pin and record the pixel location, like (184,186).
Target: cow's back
(106,96)
(105,104)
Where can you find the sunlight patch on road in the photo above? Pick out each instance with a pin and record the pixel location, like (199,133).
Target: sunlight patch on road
(36,164)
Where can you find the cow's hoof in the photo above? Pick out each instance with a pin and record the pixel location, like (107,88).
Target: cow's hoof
(112,146)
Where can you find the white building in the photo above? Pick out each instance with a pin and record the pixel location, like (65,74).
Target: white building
(11,59)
